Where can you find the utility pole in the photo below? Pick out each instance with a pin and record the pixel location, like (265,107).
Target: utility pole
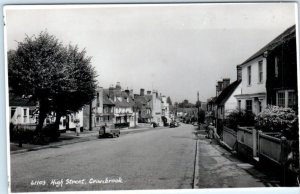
(198,108)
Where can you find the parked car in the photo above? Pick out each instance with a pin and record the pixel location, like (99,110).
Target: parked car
(109,131)
(154,124)
(174,124)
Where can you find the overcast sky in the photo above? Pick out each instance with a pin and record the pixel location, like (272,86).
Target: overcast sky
(175,49)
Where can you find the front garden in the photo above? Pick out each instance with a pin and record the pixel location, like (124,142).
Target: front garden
(272,135)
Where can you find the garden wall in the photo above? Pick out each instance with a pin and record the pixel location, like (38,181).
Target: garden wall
(245,142)
(229,137)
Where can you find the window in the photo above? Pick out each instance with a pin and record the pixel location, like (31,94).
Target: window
(259,106)
(12,112)
(239,105)
(249,75)
(276,67)
(286,98)
(260,71)
(281,99)
(291,99)
(249,105)
(98,102)
(31,112)
(25,115)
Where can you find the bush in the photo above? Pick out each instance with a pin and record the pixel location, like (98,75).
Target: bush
(19,133)
(278,119)
(25,134)
(239,118)
(51,132)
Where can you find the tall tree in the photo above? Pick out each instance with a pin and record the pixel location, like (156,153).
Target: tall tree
(80,84)
(169,101)
(60,78)
(34,69)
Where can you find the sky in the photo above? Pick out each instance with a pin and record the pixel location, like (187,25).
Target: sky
(177,49)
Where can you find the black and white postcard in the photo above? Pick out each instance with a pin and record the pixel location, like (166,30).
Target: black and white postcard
(105,97)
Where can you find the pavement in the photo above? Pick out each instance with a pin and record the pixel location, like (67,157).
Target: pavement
(70,137)
(217,167)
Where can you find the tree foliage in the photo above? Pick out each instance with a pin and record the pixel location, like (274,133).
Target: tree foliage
(185,104)
(169,101)
(61,78)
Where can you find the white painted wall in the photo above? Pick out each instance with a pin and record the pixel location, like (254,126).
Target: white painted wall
(18,116)
(156,109)
(232,103)
(255,86)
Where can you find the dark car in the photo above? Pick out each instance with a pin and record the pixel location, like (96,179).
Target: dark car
(174,124)
(109,131)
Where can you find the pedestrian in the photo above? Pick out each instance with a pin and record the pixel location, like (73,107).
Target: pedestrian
(77,127)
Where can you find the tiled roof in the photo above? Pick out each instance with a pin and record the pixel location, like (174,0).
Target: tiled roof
(19,101)
(283,37)
(226,93)
(106,100)
(123,103)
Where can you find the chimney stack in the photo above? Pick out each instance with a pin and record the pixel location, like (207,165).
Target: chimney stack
(148,92)
(111,92)
(142,92)
(131,93)
(226,82)
(220,86)
(239,72)
(118,85)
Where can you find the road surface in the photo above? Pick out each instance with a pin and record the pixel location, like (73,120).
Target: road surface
(155,159)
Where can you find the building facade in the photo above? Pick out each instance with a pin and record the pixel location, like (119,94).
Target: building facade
(269,76)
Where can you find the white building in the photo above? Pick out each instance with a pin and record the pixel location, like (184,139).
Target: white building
(165,107)
(156,106)
(253,86)
(226,101)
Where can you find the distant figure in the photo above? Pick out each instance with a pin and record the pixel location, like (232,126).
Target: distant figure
(210,132)
(77,128)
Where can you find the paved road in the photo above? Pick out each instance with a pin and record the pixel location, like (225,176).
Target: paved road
(158,159)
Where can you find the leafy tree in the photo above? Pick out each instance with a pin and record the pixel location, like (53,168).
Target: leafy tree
(60,78)
(80,84)
(169,101)
(185,104)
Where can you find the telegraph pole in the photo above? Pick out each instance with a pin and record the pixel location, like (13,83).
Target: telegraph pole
(198,107)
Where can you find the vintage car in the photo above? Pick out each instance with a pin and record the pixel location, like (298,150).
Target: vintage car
(109,131)
(174,124)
